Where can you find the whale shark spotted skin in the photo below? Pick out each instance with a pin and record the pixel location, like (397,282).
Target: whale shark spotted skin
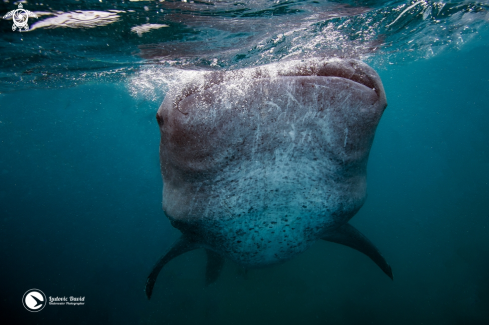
(260,163)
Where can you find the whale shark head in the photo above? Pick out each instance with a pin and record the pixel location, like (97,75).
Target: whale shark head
(259,163)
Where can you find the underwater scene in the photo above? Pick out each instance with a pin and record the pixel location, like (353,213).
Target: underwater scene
(244,162)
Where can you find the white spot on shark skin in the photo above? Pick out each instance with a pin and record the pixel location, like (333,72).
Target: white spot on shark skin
(319,86)
(346,137)
(293,98)
(292,133)
(272,104)
(304,135)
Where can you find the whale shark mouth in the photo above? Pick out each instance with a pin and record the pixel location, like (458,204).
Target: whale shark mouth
(347,69)
(352,70)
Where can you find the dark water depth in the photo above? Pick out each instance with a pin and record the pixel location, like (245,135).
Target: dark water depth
(80,197)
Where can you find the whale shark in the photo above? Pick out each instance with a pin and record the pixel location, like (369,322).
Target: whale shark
(260,163)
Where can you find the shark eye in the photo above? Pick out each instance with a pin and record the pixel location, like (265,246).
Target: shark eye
(159,119)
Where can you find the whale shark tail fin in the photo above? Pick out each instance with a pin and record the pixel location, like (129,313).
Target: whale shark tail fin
(181,246)
(214,266)
(349,236)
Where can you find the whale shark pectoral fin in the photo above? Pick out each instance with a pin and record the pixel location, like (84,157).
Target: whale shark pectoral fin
(349,236)
(182,245)
(214,266)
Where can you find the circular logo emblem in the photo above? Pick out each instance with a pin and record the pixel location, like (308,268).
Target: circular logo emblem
(20,17)
(34,300)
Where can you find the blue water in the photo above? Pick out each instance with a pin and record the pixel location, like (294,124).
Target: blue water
(80,186)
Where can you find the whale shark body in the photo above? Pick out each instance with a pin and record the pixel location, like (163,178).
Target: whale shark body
(260,163)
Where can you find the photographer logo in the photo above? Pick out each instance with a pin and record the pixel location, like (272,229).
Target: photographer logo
(34,300)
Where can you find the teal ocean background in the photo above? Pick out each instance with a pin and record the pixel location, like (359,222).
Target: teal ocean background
(80,186)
